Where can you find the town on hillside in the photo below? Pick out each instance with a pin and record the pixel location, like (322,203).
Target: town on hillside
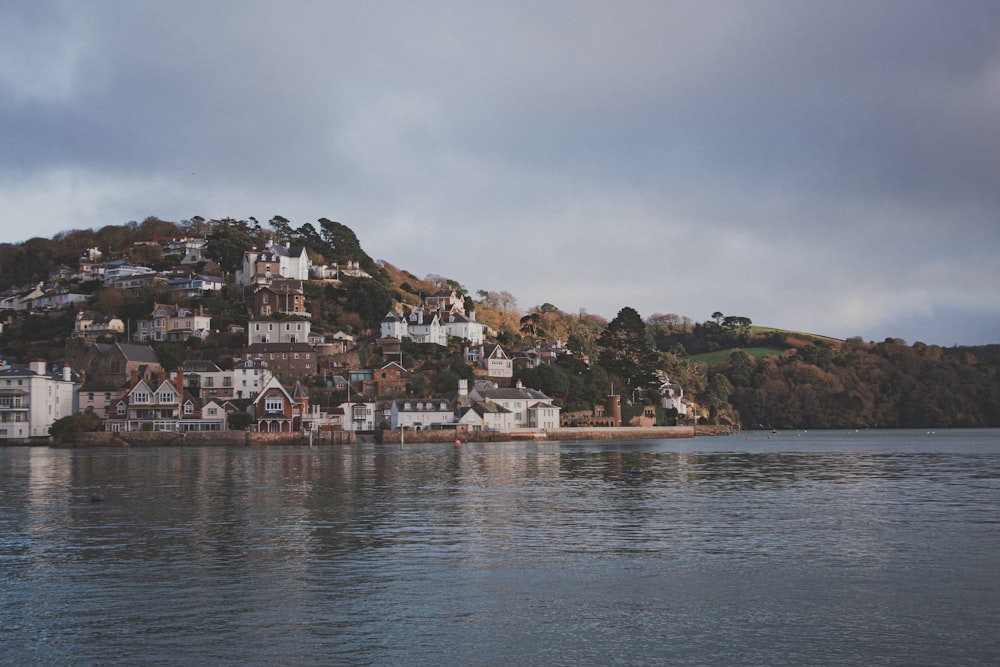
(198,332)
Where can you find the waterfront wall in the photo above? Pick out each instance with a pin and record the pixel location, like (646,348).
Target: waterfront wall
(562,434)
(206,439)
(248,439)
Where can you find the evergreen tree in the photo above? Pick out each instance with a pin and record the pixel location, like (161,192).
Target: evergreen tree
(627,351)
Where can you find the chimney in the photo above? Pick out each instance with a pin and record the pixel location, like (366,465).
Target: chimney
(83,377)
(67,373)
(180,379)
(37,366)
(133,377)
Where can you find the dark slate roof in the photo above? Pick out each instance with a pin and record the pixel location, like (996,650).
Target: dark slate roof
(143,353)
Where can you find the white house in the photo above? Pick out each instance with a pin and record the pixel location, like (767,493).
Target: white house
(393,325)
(421,413)
(250,376)
(292,330)
(531,409)
(277,261)
(459,325)
(31,400)
(358,416)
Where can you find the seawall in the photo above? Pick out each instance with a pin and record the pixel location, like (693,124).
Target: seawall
(562,434)
(248,439)
(206,439)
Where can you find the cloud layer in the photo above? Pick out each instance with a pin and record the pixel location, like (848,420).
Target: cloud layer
(831,167)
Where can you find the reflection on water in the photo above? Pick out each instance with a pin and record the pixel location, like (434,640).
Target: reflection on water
(850,548)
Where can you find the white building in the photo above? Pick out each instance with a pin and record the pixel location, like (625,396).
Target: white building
(293,330)
(459,325)
(421,413)
(531,409)
(250,376)
(31,400)
(358,416)
(277,261)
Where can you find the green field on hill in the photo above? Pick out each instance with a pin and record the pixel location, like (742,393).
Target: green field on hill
(720,357)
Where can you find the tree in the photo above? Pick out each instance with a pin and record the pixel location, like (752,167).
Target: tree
(239,421)
(282,229)
(67,428)
(627,351)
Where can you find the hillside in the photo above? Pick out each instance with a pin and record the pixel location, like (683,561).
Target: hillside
(729,369)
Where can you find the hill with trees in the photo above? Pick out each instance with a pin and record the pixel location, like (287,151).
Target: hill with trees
(730,370)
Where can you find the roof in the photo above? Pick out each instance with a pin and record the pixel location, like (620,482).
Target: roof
(143,353)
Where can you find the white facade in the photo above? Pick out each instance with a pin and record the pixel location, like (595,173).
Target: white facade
(358,416)
(249,378)
(32,400)
(269,331)
(292,263)
(458,325)
(421,413)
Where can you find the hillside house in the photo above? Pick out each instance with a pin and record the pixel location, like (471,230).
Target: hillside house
(249,377)
(173,323)
(92,325)
(280,297)
(116,363)
(263,266)
(287,361)
(290,330)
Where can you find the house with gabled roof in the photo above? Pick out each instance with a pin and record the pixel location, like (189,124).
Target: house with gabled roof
(459,325)
(421,413)
(275,262)
(173,323)
(281,296)
(277,409)
(92,324)
(117,363)
(530,407)
(164,405)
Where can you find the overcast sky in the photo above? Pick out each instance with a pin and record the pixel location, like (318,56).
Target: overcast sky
(831,167)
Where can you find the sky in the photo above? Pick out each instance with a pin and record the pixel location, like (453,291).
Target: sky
(828,167)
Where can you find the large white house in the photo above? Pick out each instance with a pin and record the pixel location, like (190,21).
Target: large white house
(277,261)
(530,408)
(292,330)
(31,400)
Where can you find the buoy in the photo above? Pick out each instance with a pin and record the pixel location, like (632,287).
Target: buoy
(457,442)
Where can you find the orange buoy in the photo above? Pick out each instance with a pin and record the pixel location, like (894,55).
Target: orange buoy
(457,442)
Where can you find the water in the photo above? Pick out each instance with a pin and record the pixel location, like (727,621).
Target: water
(812,548)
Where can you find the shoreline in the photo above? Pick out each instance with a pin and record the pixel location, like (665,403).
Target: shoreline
(249,439)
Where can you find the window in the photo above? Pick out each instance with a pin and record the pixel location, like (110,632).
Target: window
(188,409)
(212,412)
(227,381)
(210,381)
(121,409)
(165,397)
(90,397)
(273,404)
(140,397)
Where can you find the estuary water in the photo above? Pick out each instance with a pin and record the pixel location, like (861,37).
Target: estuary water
(823,548)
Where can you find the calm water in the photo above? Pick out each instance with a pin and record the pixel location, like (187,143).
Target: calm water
(813,548)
